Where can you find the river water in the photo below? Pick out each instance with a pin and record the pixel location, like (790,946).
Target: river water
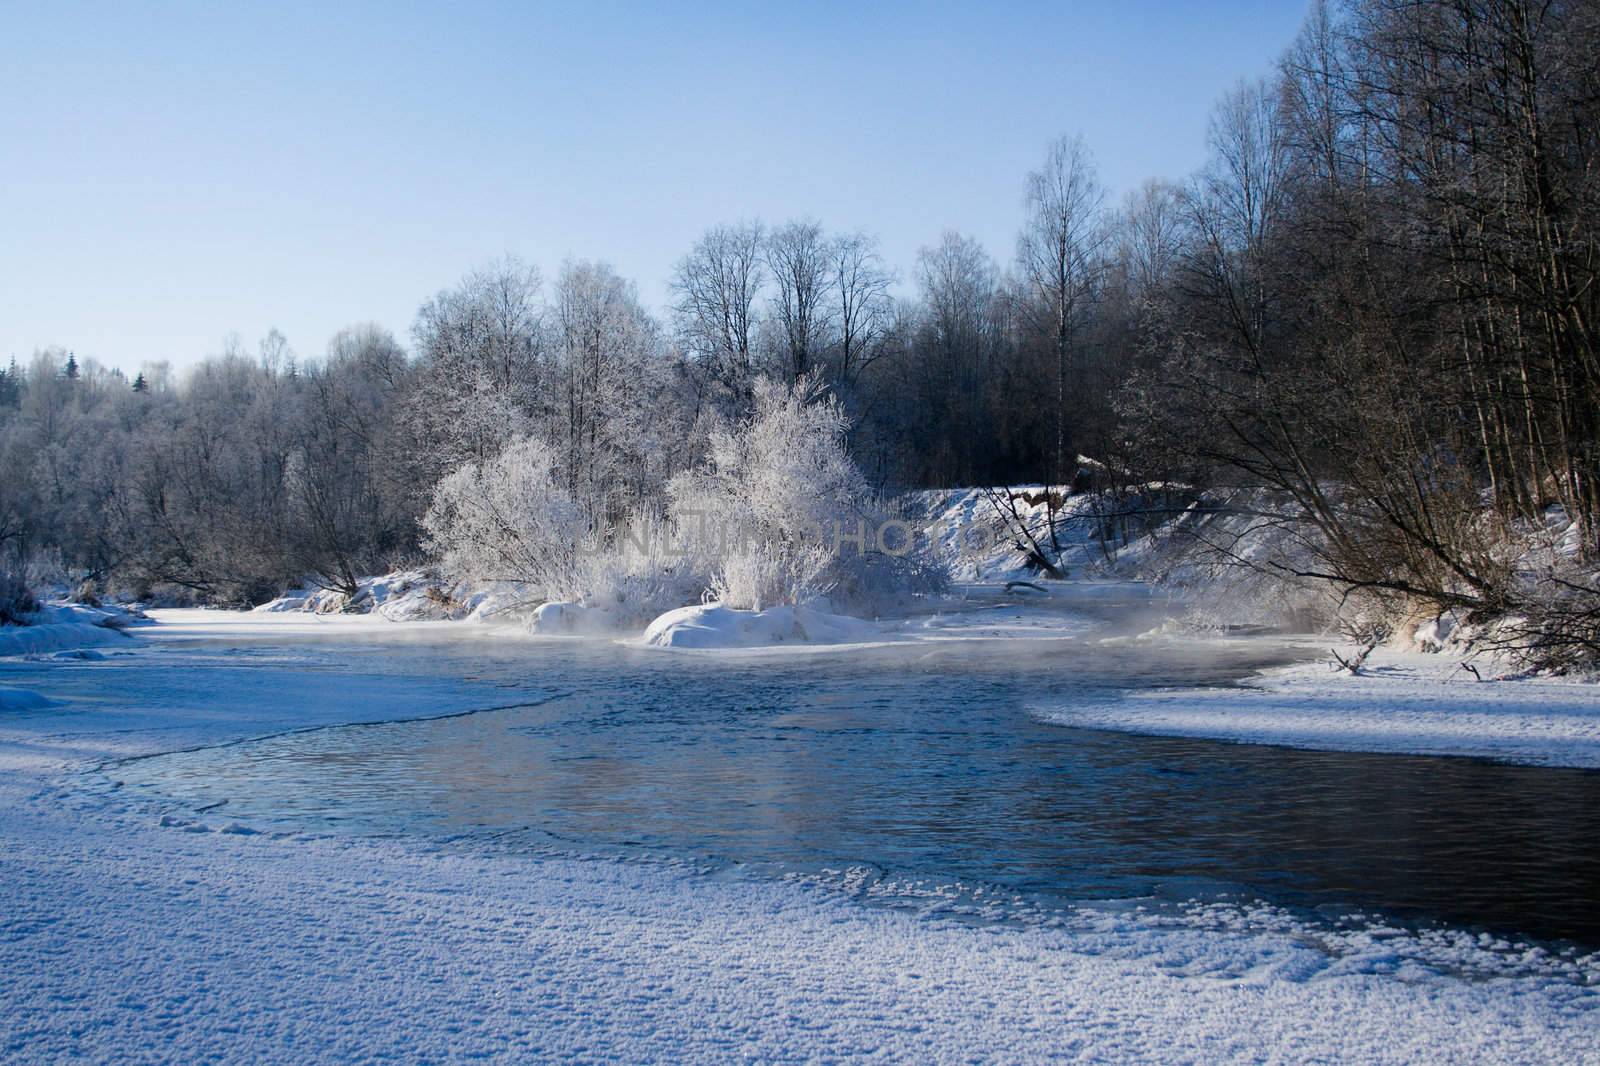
(923,760)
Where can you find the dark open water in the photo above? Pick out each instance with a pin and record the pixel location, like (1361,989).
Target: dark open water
(925,761)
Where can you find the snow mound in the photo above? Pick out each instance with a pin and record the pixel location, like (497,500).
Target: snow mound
(563,619)
(20,699)
(59,627)
(39,640)
(401,596)
(712,625)
(111,616)
(500,601)
(293,600)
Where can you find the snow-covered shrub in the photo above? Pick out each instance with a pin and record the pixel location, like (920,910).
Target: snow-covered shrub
(780,514)
(510,519)
(771,572)
(635,573)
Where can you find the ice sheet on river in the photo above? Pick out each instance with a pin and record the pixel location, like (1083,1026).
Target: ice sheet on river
(1402,702)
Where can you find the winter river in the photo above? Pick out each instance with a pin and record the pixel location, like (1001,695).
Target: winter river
(922,764)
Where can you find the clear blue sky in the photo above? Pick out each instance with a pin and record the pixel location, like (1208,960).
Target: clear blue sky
(170,174)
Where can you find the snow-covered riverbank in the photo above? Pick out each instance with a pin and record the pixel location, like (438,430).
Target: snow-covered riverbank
(134,932)
(68,627)
(1402,703)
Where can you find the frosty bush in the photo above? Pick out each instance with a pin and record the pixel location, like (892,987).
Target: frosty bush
(510,519)
(781,514)
(633,576)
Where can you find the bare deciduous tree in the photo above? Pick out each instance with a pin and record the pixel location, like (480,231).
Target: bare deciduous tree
(1059,254)
(863,306)
(799,259)
(717,286)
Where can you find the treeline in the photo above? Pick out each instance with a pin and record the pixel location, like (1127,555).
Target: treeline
(1380,305)
(255,470)
(1372,312)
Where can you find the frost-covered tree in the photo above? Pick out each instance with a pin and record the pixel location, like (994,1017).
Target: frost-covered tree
(481,379)
(781,514)
(610,373)
(511,518)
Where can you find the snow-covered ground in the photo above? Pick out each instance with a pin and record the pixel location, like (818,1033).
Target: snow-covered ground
(129,933)
(124,940)
(1401,702)
(59,627)
(715,626)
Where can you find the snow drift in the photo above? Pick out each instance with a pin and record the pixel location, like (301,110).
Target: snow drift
(717,626)
(57,627)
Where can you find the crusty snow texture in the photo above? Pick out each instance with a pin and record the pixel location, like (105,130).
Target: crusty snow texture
(133,941)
